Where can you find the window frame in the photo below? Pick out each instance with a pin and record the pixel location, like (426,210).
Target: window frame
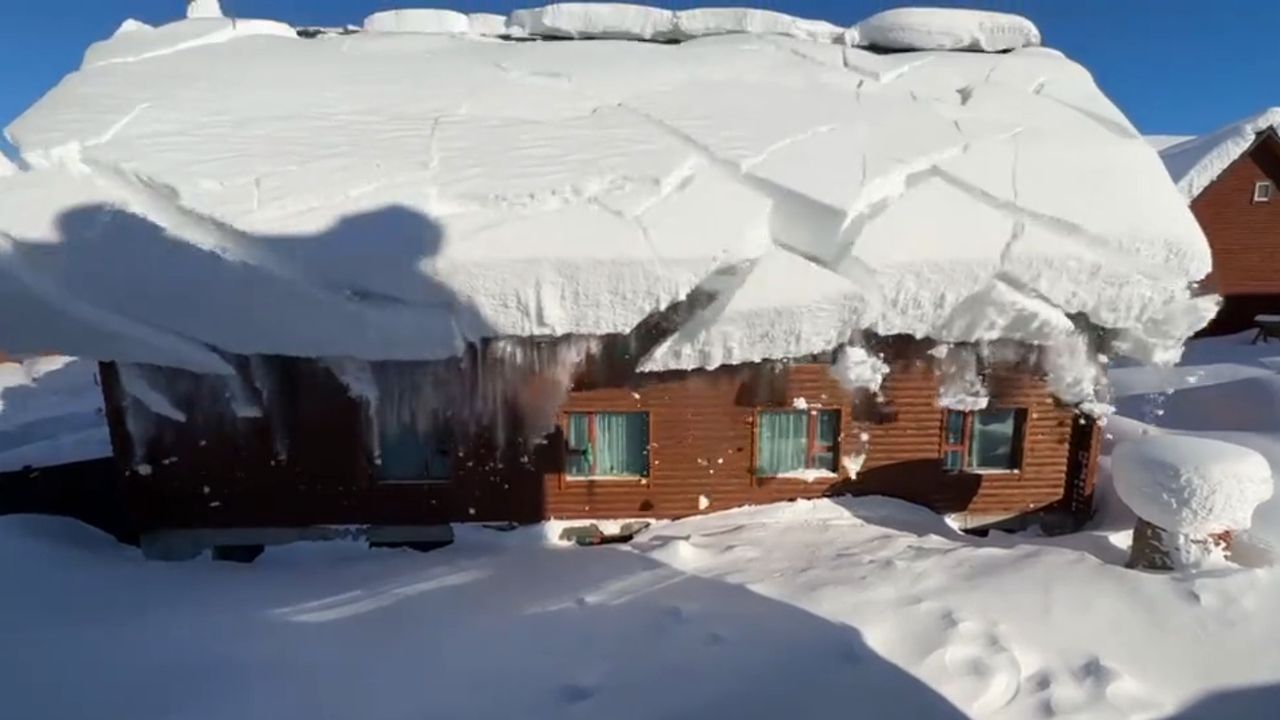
(1021,417)
(1263,191)
(593,476)
(812,448)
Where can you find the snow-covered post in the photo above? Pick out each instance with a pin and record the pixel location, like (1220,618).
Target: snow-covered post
(1188,493)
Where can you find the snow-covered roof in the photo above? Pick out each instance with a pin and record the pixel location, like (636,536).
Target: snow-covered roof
(1196,162)
(212,184)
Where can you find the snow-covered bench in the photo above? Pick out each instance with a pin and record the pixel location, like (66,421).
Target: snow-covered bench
(1268,327)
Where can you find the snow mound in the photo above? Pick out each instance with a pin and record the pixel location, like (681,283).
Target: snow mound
(6,166)
(947,29)
(378,198)
(418,20)
(596,20)
(142,43)
(1191,485)
(1197,162)
(204,9)
(700,22)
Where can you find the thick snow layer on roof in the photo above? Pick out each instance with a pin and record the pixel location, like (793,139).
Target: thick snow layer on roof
(1195,163)
(947,29)
(50,413)
(720,21)
(418,20)
(1191,485)
(596,20)
(206,187)
(487,24)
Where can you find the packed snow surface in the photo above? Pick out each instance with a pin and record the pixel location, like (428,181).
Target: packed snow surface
(1195,486)
(1197,162)
(947,29)
(50,413)
(397,195)
(803,610)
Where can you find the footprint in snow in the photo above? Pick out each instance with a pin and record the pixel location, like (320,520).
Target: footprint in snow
(573,693)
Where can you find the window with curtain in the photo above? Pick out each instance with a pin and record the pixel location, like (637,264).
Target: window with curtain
(793,440)
(607,445)
(408,453)
(986,440)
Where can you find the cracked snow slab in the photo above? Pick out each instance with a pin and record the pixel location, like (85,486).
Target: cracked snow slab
(215,186)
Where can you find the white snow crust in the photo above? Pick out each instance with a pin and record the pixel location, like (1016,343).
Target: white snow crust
(1191,485)
(418,20)
(1160,143)
(947,29)
(397,195)
(487,24)
(1197,162)
(700,22)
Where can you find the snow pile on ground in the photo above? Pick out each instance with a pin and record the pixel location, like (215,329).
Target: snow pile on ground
(1193,486)
(947,29)
(50,413)
(380,198)
(418,20)
(204,9)
(1196,162)
(802,609)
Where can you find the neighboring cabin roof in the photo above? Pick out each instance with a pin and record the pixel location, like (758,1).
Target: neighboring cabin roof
(216,185)
(1195,163)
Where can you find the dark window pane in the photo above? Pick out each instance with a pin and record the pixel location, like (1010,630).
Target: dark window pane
(578,460)
(952,460)
(955,427)
(622,444)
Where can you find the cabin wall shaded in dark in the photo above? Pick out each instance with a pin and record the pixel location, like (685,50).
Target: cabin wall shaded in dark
(88,490)
(1244,237)
(305,461)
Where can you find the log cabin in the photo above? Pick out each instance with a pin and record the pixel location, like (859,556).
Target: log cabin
(1230,178)
(394,281)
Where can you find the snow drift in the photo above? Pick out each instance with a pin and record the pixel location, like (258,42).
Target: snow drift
(208,187)
(1191,485)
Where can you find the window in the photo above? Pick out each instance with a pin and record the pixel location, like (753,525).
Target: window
(794,440)
(607,445)
(408,453)
(987,440)
(1262,191)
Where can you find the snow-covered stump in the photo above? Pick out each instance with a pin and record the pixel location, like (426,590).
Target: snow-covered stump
(1189,494)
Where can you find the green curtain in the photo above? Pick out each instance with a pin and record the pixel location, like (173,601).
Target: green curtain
(782,442)
(991,445)
(622,444)
(578,462)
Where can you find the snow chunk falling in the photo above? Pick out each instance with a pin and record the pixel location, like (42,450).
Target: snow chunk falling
(857,369)
(947,29)
(204,9)
(1191,485)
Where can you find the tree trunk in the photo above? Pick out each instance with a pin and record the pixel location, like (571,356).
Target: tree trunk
(1152,549)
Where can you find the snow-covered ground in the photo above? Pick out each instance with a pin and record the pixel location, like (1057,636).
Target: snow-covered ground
(866,607)
(50,413)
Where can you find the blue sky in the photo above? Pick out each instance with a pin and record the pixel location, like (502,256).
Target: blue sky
(1174,66)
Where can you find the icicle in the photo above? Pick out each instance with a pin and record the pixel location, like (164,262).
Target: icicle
(136,381)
